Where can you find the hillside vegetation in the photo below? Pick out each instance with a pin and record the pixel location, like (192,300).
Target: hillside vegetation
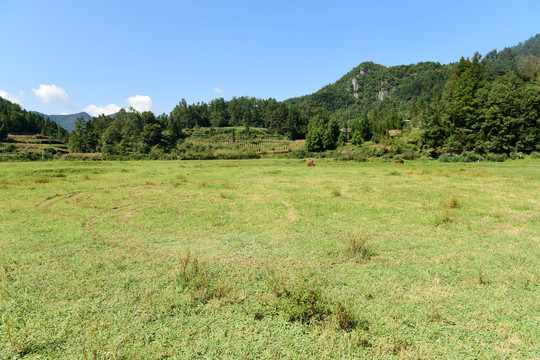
(486,106)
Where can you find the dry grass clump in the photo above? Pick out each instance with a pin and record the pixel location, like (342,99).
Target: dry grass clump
(178,180)
(42,180)
(452,203)
(336,192)
(357,246)
(447,212)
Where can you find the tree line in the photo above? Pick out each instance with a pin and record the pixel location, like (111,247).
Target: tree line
(133,132)
(487,104)
(15,120)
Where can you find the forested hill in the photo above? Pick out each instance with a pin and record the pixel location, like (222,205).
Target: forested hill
(15,120)
(405,88)
(481,104)
(369,85)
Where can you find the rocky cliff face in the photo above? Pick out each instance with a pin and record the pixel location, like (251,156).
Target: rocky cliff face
(355,87)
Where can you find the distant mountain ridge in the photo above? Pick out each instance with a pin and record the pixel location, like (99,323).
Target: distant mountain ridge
(66,121)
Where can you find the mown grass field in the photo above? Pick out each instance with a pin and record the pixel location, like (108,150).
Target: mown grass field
(269,259)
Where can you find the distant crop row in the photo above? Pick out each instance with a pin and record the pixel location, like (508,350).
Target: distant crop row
(260,146)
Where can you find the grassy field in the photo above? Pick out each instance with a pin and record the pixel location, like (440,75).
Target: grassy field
(270,259)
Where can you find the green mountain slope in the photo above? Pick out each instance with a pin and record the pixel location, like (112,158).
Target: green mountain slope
(403,89)
(369,85)
(67,121)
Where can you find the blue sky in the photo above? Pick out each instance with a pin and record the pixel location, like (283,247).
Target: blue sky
(69,56)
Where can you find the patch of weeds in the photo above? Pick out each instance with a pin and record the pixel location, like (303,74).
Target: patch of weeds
(394,173)
(200,281)
(300,297)
(202,183)
(435,313)
(178,179)
(445,216)
(16,331)
(398,344)
(336,192)
(482,280)
(60,175)
(452,203)
(223,195)
(447,212)
(345,319)
(149,182)
(479,174)
(42,180)
(276,171)
(357,246)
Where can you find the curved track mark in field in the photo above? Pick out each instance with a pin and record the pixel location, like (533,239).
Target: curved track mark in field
(128,244)
(292,214)
(46,205)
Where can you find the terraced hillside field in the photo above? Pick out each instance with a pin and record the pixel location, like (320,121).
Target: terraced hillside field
(269,259)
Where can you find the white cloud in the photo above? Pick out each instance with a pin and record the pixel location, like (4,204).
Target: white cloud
(141,102)
(221,91)
(51,93)
(97,110)
(12,98)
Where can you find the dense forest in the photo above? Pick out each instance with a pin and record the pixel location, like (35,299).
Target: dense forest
(15,120)
(484,104)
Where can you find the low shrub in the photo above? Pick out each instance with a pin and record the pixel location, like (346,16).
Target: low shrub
(469,156)
(534,155)
(495,157)
(7,148)
(515,155)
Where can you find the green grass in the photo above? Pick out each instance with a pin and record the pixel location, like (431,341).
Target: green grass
(269,259)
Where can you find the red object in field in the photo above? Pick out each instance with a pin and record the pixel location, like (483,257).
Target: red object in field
(400,162)
(310,162)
